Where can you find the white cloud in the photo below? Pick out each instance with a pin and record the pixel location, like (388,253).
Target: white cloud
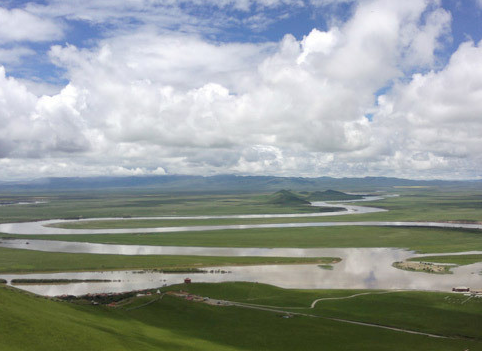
(36,127)
(14,54)
(437,116)
(183,61)
(149,103)
(188,16)
(38,87)
(330,2)
(20,25)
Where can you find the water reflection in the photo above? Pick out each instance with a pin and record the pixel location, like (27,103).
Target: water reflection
(38,228)
(41,227)
(22,203)
(114,249)
(361,268)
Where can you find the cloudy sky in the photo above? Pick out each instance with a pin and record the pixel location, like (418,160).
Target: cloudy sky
(267,87)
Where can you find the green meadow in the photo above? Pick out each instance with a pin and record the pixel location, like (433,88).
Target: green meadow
(29,322)
(438,313)
(426,240)
(172,323)
(140,203)
(28,261)
(411,205)
(460,260)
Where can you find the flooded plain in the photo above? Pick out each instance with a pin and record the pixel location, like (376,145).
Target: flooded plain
(45,227)
(360,268)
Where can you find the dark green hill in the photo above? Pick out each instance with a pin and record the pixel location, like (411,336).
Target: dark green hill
(332,195)
(286,197)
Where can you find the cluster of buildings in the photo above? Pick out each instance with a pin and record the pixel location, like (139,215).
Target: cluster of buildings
(466,290)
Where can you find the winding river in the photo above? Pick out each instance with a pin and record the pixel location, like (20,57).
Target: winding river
(44,227)
(360,268)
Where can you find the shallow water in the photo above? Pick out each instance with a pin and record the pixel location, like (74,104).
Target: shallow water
(361,268)
(38,228)
(366,268)
(41,227)
(118,249)
(23,203)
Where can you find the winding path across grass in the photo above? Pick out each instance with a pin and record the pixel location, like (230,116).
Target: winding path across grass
(281,310)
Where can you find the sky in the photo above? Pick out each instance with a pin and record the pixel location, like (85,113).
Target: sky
(310,88)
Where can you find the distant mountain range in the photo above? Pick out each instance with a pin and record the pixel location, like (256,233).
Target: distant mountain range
(226,183)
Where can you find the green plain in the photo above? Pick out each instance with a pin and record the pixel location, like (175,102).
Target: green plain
(437,313)
(427,240)
(460,260)
(175,324)
(29,322)
(412,205)
(28,261)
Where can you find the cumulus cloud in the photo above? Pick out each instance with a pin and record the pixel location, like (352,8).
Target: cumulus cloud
(34,127)
(20,25)
(437,115)
(151,102)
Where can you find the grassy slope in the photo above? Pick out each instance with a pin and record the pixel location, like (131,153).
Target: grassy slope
(421,239)
(174,324)
(438,313)
(17,260)
(286,198)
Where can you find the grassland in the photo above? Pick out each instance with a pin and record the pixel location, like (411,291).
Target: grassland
(26,261)
(425,267)
(412,205)
(175,324)
(34,323)
(425,240)
(460,260)
(90,205)
(437,313)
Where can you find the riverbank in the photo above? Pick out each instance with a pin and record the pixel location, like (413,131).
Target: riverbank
(27,261)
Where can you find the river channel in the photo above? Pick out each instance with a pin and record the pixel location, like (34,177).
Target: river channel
(360,268)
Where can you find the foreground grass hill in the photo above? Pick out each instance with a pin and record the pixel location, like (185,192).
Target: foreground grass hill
(30,322)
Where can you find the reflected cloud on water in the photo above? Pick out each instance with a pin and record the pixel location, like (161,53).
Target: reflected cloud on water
(360,268)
